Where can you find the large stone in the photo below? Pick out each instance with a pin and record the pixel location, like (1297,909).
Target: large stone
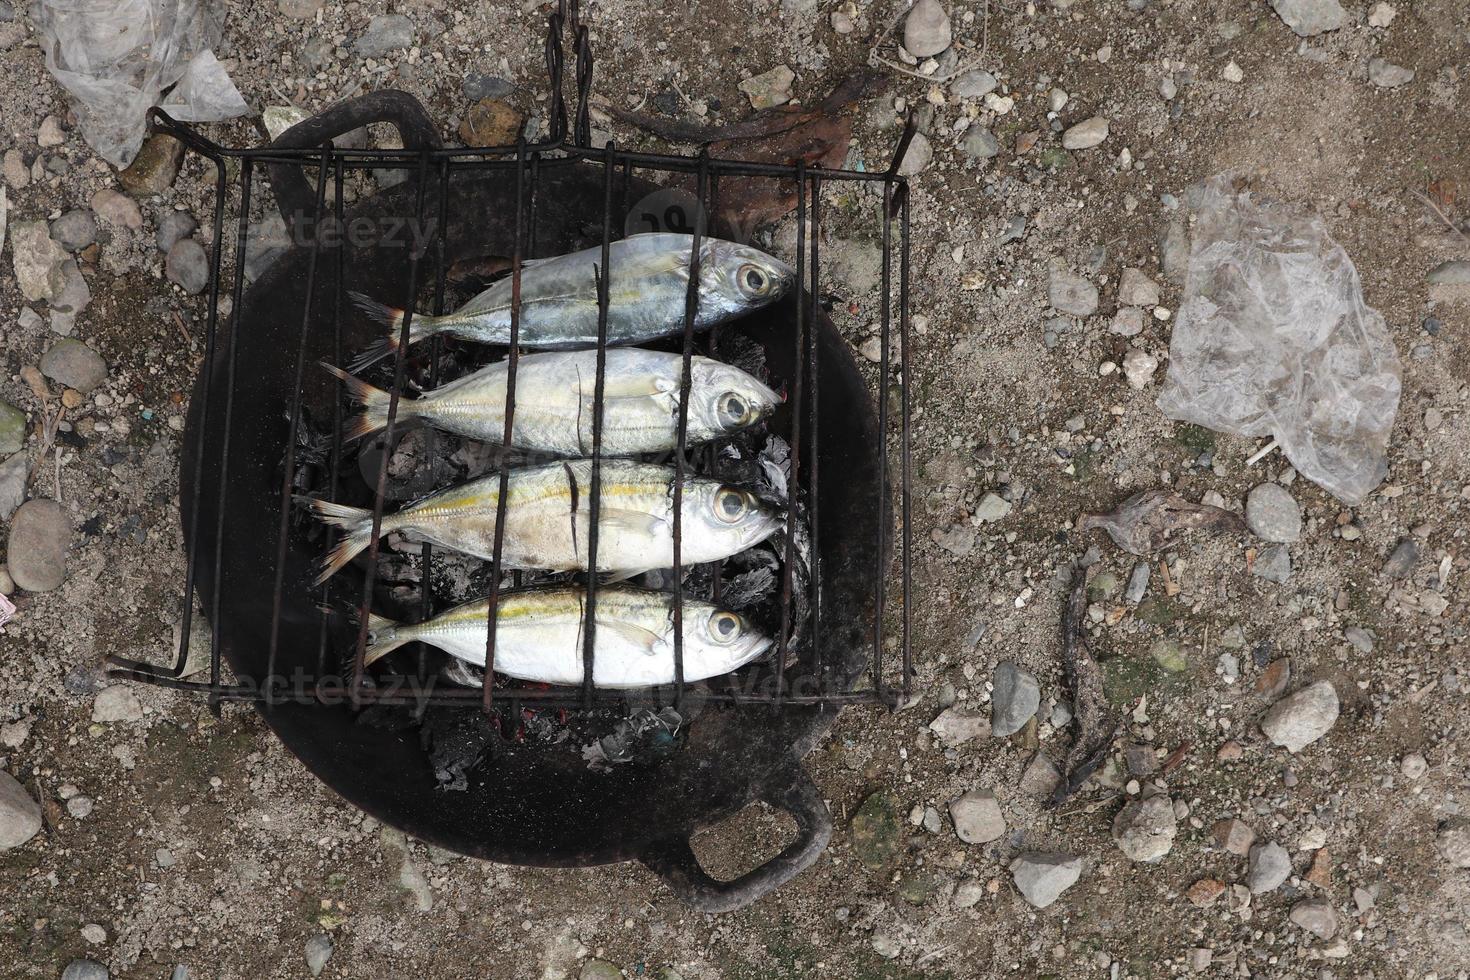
(1309,18)
(1317,916)
(173,227)
(956,725)
(385,34)
(1298,720)
(769,88)
(74,364)
(74,230)
(918,156)
(926,31)
(1273,513)
(12,429)
(40,532)
(1145,829)
(20,816)
(155,168)
(977,817)
(1270,866)
(1070,293)
(37,260)
(1452,272)
(1041,878)
(1014,700)
(13,475)
(1086,134)
(1453,842)
(973,84)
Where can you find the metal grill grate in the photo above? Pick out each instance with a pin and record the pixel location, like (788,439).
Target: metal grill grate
(526,163)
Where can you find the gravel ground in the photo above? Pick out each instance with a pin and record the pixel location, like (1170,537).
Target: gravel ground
(171,839)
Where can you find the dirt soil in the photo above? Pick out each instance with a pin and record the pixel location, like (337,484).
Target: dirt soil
(207,845)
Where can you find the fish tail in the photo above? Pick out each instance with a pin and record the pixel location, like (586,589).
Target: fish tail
(374,403)
(384,637)
(423,325)
(356,521)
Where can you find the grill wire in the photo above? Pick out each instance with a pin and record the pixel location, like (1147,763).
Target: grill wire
(525,160)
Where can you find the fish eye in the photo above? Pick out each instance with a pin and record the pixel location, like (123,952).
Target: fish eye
(734,410)
(731,505)
(753,279)
(725,626)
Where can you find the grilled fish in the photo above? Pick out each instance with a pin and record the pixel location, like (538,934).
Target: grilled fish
(555,395)
(647,285)
(538,637)
(548,517)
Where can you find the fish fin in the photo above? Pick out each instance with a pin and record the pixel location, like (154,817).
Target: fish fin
(628,521)
(383,638)
(646,641)
(356,521)
(423,325)
(374,403)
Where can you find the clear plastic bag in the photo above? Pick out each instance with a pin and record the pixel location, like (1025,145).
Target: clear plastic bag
(1273,338)
(117,57)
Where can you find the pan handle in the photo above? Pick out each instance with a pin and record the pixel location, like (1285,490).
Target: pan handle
(673,860)
(294,195)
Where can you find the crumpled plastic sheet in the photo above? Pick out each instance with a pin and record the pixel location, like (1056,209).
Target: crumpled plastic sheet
(1273,339)
(117,57)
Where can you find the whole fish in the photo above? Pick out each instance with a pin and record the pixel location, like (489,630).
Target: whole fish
(538,637)
(647,281)
(548,517)
(555,393)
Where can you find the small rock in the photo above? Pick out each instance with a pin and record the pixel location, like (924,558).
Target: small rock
(1139,367)
(1041,776)
(1385,74)
(1381,15)
(490,122)
(1232,73)
(1041,878)
(37,260)
(926,31)
(771,88)
(318,951)
(1308,18)
(968,893)
(1127,322)
(279,118)
(74,364)
(917,157)
(1169,655)
(385,33)
(187,266)
(1454,272)
(117,209)
(50,134)
(1137,583)
(1137,289)
(12,429)
(1140,759)
(1300,719)
(1453,842)
(13,475)
(94,934)
(74,230)
(979,143)
(17,174)
(956,726)
(1273,680)
(155,168)
(20,816)
(477,86)
(1361,639)
(85,970)
(1316,916)
(977,817)
(1144,829)
(1014,701)
(115,704)
(1070,293)
(1205,892)
(1200,958)
(1086,134)
(1413,765)
(1273,564)
(1400,564)
(876,830)
(299,9)
(39,535)
(975,84)
(173,227)
(1270,866)
(992,507)
(1234,835)
(1230,751)
(80,806)
(1273,514)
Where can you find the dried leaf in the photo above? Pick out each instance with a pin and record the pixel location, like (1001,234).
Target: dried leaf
(1145,521)
(1444,192)
(1026,142)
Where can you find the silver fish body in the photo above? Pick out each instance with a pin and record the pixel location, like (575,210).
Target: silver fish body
(548,519)
(556,394)
(539,637)
(647,282)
